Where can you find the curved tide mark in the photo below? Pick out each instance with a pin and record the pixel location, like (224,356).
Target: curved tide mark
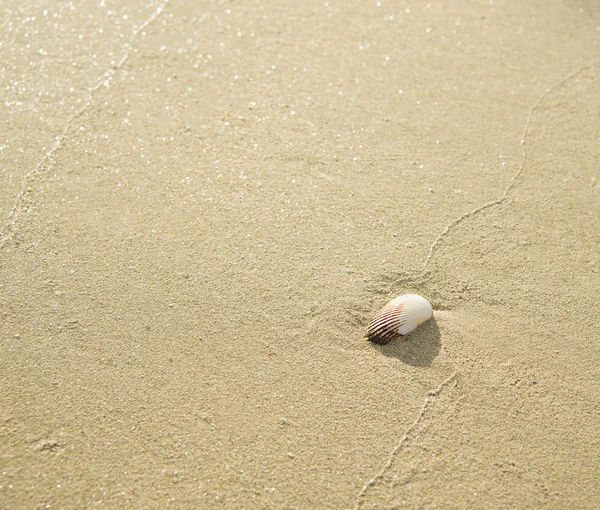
(44,163)
(515,177)
(426,404)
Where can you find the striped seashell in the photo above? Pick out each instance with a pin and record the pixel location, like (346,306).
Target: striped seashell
(398,318)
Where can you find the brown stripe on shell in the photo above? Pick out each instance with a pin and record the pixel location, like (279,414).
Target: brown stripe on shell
(384,327)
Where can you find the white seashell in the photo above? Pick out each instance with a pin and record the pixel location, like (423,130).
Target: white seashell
(398,318)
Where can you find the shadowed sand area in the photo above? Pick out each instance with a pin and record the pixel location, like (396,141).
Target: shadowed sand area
(203,203)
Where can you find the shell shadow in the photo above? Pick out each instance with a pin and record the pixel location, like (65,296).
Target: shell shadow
(419,349)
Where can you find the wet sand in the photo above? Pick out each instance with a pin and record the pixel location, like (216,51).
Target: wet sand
(203,203)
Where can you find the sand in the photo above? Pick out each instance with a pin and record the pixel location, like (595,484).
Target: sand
(203,203)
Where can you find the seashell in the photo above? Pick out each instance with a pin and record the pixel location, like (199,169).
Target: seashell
(398,318)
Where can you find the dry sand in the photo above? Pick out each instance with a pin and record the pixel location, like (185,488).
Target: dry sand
(203,203)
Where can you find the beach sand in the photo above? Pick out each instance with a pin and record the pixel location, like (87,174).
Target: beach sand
(202,204)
